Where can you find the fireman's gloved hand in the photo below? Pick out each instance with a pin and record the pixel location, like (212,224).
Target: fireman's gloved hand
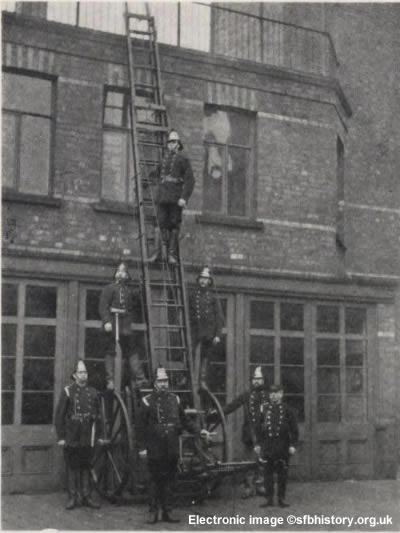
(257,450)
(143,454)
(108,326)
(292,450)
(212,416)
(206,435)
(182,202)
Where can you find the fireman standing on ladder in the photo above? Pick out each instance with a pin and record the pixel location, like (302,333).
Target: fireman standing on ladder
(175,182)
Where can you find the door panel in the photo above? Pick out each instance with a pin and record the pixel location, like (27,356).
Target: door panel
(33,356)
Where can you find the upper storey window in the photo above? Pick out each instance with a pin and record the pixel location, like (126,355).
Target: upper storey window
(27,133)
(229,166)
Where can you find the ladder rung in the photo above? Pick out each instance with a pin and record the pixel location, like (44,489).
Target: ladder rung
(183,348)
(164,304)
(167,326)
(138,16)
(139,32)
(149,127)
(146,142)
(151,107)
(146,85)
(163,283)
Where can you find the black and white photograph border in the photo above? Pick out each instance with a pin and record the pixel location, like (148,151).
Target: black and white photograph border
(200,266)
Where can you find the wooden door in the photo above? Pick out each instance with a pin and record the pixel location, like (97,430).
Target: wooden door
(33,357)
(342,391)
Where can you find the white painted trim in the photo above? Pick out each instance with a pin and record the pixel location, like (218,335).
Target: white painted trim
(373,208)
(300,225)
(305,121)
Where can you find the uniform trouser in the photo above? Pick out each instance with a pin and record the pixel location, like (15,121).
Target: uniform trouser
(203,350)
(78,461)
(169,216)
(162,481)
(129,351)
(280,465)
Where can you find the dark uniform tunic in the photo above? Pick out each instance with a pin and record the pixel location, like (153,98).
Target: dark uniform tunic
(121,296)
(174,180)
(206,321)
(251,401)
(76,415)
(162,421)
(277,431)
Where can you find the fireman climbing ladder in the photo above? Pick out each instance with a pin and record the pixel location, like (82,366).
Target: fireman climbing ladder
(163,285)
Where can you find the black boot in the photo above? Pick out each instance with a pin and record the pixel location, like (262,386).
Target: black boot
(173,247)
(152,517)
(87,500)
(166,517)
(72,492)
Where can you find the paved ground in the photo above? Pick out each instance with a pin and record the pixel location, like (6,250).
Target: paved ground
(321,501)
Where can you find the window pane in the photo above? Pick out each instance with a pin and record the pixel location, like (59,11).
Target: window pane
(213,178)
(328,380)
(8,339)
(38,374)
(113,117)
(292,351)
(26,93)
(114,172)
(328,352)
(354,380)
(261,315)
(95,345)
(9,299)
(7,408)
(96,373)
(261,349)
(179,380)
(355,353)
(328,409)
(355,320)
(9,147)
(37,408)
(8,374)
(217,128)
(355,407)
(34,155)
(115,99)
(292,379)
(240,125)
(217,377)
(92,304)
(296,403)
(41,302)
(327,319)
(40,341)
(292,317)
(237,178)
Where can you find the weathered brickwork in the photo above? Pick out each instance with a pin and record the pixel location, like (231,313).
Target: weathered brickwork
(287,246)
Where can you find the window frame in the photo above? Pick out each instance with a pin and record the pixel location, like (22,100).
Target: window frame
(15,190)
(125,129)
(250,178)
(21,321)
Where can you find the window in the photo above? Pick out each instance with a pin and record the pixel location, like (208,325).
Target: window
(340,192)
(277,345)
(27,132)
(228,168)
(117,151)
(29,335)
(341,363)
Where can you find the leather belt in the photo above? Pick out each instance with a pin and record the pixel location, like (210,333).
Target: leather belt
(171,179)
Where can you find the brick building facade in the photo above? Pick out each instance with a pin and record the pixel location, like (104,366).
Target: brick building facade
(296,210)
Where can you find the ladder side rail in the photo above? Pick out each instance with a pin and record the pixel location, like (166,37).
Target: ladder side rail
(138,187)
(187,333)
